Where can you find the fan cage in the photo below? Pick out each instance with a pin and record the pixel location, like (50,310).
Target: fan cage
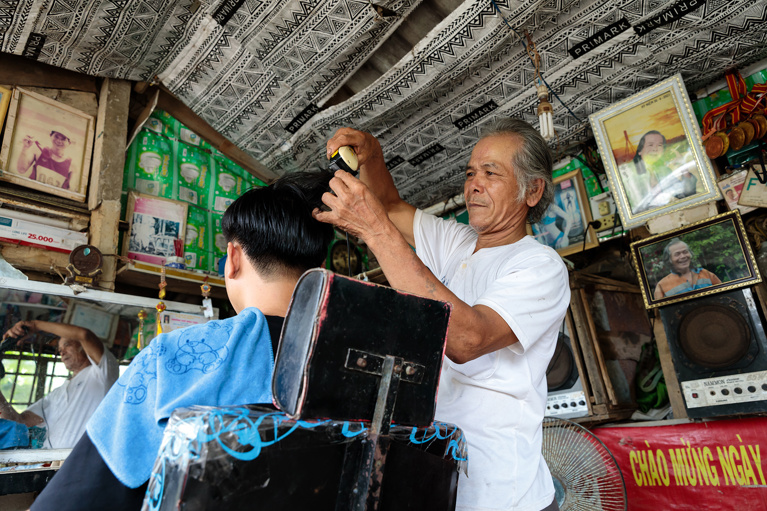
(585,474)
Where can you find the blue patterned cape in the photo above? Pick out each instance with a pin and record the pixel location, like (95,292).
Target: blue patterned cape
(219,363)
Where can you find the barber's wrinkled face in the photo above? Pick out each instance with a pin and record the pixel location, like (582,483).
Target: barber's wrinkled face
(72,354)
(491,187)
(680,257)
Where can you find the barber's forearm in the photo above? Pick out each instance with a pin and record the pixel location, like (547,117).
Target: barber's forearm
(473,331)
(64,330)
(27,418)
(377,177)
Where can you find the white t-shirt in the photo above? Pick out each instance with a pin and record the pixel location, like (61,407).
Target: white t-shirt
(499,399)
(66,410)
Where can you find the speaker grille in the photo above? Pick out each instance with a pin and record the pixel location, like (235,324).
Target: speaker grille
(714,336)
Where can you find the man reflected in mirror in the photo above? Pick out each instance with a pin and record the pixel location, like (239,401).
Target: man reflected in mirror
(65,411)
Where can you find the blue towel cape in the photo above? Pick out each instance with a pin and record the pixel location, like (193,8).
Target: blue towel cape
(219,363)
(13,434)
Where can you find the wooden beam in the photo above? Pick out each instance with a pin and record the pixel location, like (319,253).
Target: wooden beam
(24,72)
(586,344)
(104,236)
(109,147)
(34,259)
(84,101)
(188,282)
(592,330)
(191,120)
(579,364)
(107,174)
(667,366)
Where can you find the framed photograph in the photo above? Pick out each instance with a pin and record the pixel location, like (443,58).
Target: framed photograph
(5,100)
(731,186)
(565,226)
(699,259)
(97,320)
(651,148)
(157,228)
(754,189)
(47,145)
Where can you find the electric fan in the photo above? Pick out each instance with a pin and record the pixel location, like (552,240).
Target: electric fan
(586,476)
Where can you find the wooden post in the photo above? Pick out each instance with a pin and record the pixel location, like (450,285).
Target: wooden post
(107,173)
(667,366)
(587,349)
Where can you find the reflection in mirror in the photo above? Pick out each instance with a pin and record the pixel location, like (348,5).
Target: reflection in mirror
(33,368)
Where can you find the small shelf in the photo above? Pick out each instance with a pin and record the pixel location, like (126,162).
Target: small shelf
(147,275)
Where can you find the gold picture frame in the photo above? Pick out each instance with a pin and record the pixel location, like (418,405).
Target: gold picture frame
(5,100)
(47,145)
(566,225)
(716,251)
(652,151)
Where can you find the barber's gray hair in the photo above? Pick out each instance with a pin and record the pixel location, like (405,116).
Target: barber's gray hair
(532,161)
(667,251)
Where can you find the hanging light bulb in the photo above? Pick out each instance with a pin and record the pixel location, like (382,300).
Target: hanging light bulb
(545,113)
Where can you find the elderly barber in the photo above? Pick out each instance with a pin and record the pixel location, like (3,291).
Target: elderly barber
(509,295)
(65,411)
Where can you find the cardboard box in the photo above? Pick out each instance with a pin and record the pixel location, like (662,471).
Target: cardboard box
(184,134)
(197,255)
(162,123)
(149,166)
(218,241)
(226,186)
(194,171)
(33,234)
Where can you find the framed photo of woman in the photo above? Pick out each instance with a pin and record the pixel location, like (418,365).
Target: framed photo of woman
(651,148)
(699,259)
(566,224)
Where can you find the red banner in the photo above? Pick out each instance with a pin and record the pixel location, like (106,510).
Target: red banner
(715,465)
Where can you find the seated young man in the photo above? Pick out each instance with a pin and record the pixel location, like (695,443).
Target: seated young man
(272,240)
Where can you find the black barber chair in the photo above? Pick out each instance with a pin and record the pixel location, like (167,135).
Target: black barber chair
(355,379)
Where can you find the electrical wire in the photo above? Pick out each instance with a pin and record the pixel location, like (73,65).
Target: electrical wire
(522,39)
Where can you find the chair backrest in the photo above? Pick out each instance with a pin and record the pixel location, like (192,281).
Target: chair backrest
(336,335)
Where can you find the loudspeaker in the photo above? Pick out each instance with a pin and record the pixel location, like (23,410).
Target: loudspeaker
(719,351)
(566,398)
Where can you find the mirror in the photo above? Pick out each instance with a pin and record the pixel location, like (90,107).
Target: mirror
(35,369)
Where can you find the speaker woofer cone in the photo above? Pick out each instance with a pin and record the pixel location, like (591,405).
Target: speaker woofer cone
(714,336)
(559,374)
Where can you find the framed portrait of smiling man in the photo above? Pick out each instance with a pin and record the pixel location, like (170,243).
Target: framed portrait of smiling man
(652,151)
(47,145)
(700,259)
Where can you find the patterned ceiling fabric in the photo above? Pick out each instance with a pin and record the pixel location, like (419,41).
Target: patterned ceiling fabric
(473,57)
(275,62)
(126,39)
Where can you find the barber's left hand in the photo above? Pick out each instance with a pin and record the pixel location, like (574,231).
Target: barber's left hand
(354,208)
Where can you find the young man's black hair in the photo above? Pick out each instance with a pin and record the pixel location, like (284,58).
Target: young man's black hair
(274,224)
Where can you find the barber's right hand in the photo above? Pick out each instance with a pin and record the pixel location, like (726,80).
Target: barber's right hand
(21,330)
(366,146)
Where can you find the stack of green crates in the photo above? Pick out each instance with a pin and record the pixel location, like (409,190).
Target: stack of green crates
(167,159)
